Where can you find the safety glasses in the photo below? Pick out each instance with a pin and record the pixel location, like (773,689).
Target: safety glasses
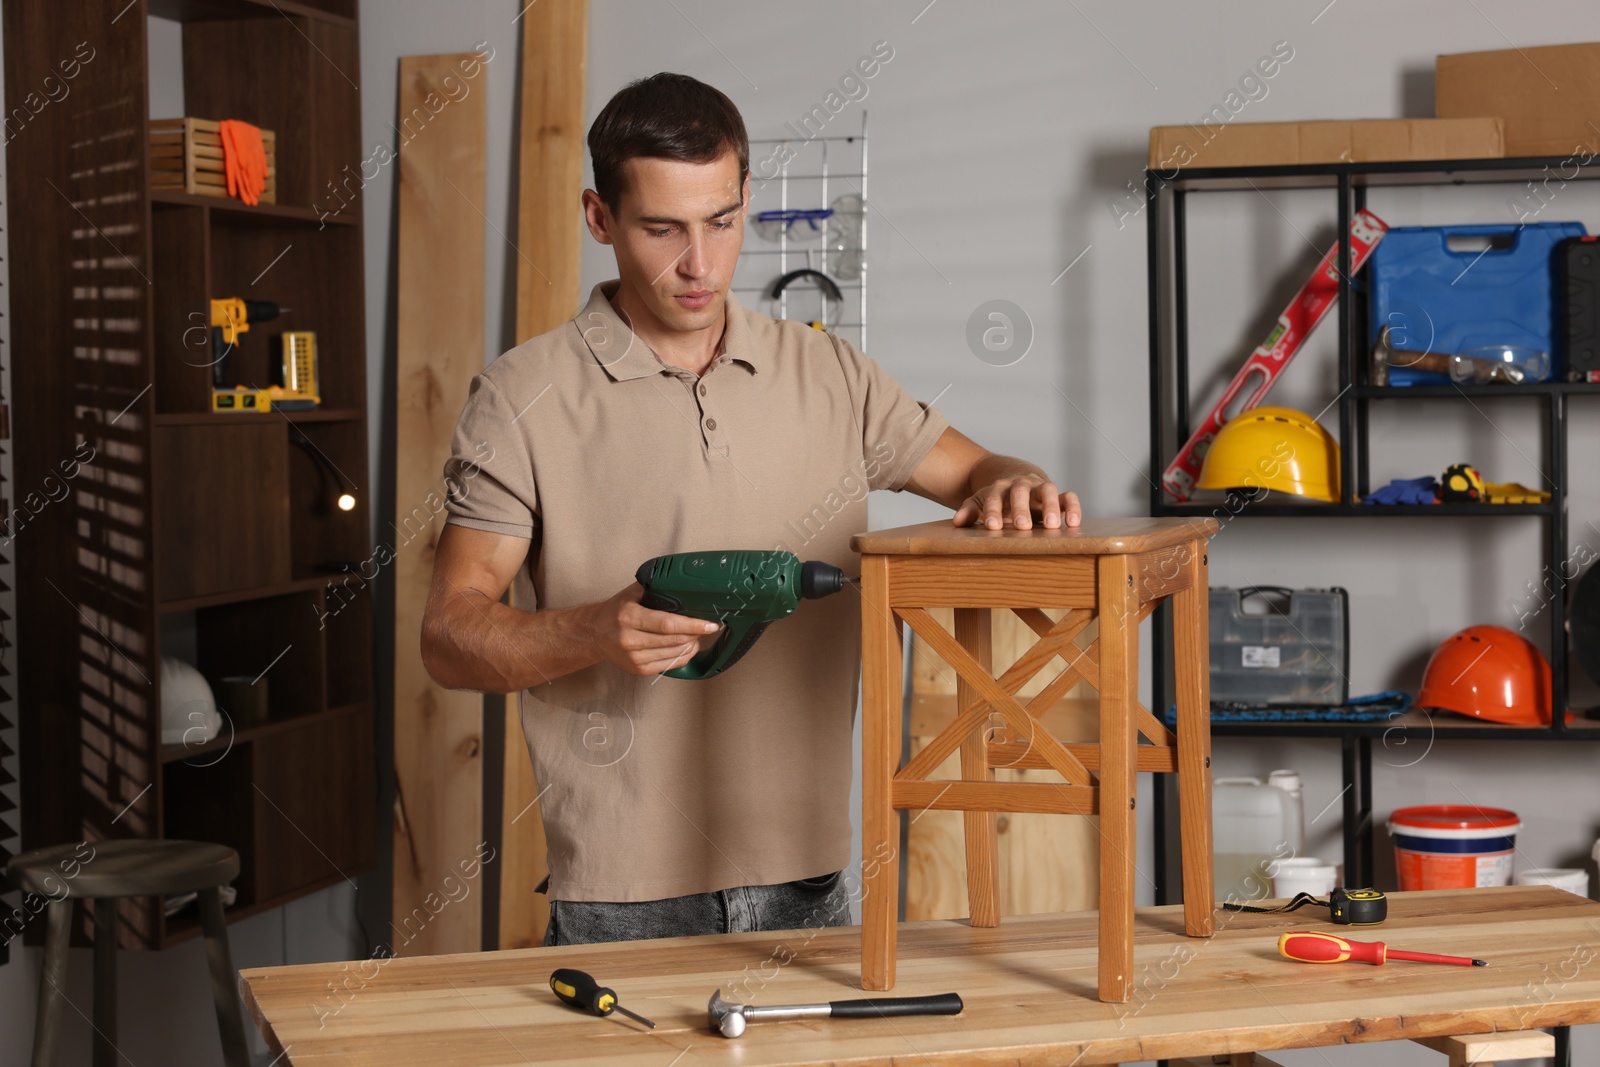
(801,225)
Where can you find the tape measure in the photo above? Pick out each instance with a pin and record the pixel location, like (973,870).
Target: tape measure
(1461,484)
(1358,907)
(1346,907)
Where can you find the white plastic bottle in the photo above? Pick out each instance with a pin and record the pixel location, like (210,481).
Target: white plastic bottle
(1252,825)
(1289,782)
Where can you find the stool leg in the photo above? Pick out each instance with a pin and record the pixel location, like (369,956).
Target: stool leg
(224,991)
(880,754)
(976,634)
(105,982)
(1119,695)
(52,982)
(1191,648)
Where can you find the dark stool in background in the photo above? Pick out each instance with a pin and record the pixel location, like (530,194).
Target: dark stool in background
(127,868)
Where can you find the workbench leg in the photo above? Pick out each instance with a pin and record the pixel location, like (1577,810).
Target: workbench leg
(974,631)
(1191,646)
(880,750)
(1119,696)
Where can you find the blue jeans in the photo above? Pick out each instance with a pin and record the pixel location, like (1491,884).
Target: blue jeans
(808,903)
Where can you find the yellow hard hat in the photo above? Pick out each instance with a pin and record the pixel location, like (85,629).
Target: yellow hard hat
(1273,448)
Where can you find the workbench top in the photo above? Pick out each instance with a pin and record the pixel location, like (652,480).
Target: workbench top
(1028,984)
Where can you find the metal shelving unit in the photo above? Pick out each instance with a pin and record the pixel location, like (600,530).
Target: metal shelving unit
(1166,204)
(836,165)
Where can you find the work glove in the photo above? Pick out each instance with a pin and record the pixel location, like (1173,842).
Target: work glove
(244,160)
(1405,491)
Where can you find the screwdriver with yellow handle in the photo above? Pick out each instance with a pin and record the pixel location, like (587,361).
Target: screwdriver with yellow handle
(581,991)
(1309,947)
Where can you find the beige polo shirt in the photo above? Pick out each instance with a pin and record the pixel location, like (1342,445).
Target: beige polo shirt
(585,442)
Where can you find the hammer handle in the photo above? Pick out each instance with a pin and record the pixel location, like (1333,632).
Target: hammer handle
(1429,361)
(872,1007)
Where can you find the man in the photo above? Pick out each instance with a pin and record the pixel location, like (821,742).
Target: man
(665,417)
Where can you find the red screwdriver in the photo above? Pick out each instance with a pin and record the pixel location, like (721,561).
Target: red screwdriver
(1308,947)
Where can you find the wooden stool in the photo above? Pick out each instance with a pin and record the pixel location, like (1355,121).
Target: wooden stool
(1116,570)
(126,868)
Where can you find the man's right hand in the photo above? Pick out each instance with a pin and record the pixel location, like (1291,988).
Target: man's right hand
(642,640)
(472,641)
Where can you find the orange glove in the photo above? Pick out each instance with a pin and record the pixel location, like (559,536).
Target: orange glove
(230,157)
(244,160)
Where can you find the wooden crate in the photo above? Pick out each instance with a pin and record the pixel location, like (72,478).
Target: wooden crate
(186,155)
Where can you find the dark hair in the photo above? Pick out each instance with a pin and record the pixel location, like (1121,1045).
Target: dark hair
(664,116)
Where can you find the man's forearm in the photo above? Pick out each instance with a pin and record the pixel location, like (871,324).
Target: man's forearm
(477,643)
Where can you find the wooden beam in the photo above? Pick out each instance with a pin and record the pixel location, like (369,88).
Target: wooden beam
(555,43)
(438,734)
(523,913)
(555,48)
(975,632)
(1047,798)
(1022,756)
(1486,1050)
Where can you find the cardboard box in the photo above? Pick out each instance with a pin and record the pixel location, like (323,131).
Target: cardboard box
(1275,144)
(1549,97)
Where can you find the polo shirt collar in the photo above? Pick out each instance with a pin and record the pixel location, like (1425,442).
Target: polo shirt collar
(624,356)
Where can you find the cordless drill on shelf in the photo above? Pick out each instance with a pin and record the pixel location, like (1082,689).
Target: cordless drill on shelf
(232,317)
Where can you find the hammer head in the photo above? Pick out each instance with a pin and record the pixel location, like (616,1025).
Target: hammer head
(725,1016)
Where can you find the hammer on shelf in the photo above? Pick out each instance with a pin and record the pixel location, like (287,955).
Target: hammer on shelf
(728,1017)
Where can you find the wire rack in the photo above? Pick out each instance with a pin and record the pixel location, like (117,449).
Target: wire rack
(817,170)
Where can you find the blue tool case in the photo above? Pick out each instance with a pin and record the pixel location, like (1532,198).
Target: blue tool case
(1447,289)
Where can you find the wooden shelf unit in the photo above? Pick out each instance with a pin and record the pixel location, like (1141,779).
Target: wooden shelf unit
(216,527)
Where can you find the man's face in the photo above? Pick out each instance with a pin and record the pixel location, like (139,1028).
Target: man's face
(676,234)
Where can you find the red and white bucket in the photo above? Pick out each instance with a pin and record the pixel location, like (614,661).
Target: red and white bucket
(1453,846)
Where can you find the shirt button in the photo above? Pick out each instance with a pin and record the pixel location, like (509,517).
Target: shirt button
(711,424)
(702,390)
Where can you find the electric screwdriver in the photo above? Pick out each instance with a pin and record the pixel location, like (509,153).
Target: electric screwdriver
(743,589)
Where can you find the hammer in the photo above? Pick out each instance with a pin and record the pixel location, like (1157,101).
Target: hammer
(728,1017)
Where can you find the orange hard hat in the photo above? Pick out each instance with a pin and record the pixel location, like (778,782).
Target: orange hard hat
(1489,672)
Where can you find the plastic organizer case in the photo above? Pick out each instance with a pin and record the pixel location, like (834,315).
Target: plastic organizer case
(1296,651)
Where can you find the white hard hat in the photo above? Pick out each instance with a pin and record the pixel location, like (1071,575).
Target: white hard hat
(188,709)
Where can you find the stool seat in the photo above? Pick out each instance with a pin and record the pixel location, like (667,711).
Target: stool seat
(124,868)
(1092,537)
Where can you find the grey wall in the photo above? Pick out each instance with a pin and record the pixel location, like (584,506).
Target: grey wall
(1002,136)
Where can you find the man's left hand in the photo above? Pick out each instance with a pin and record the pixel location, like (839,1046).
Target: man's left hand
(1020,499)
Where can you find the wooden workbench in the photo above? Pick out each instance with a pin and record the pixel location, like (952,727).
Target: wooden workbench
(1029,987)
